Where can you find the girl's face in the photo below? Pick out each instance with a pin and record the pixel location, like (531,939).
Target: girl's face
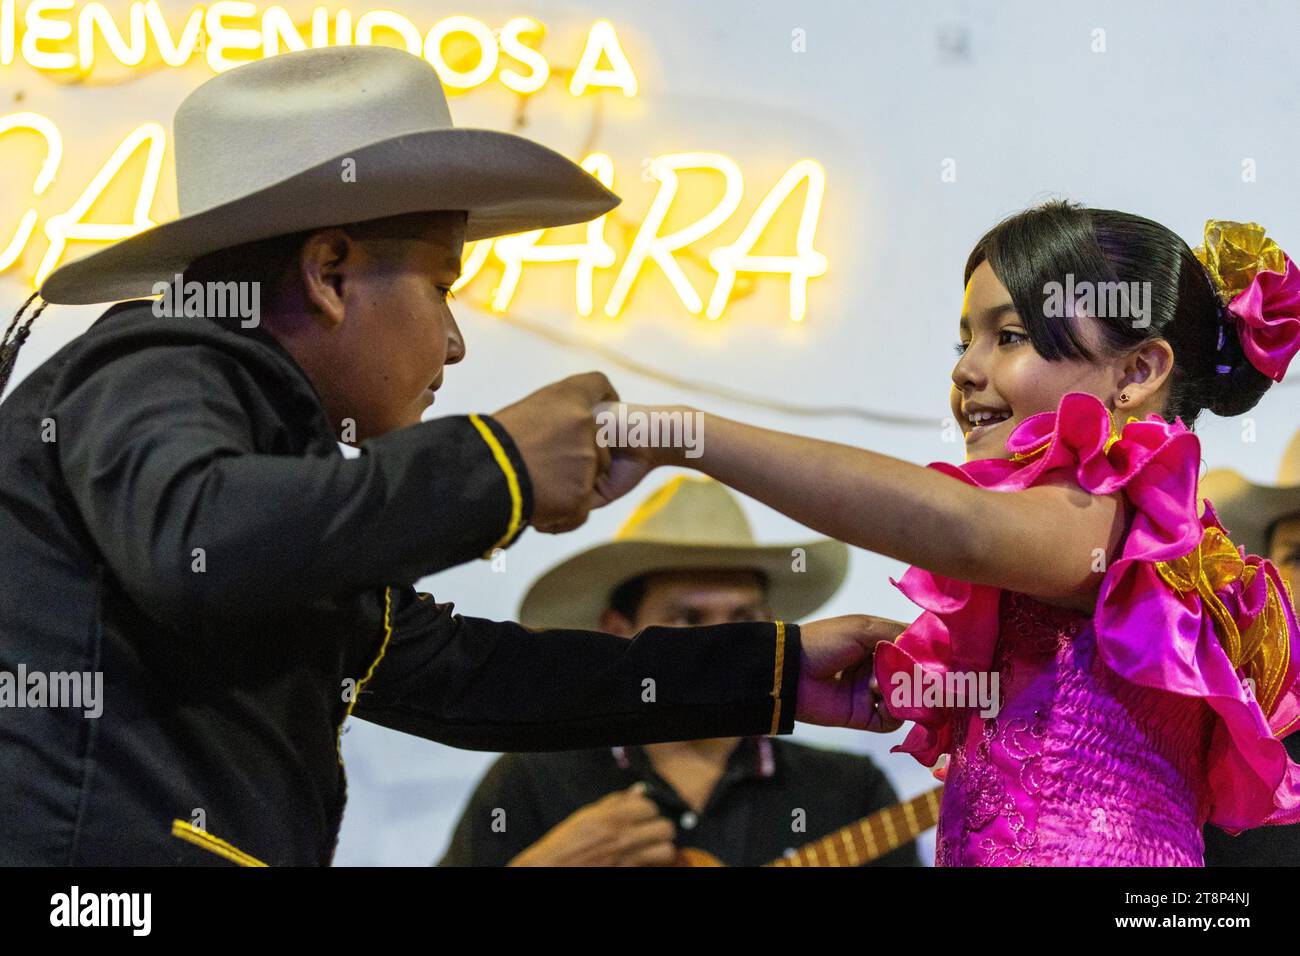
(1000,380)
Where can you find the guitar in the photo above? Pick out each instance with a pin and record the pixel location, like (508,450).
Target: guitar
(858,843)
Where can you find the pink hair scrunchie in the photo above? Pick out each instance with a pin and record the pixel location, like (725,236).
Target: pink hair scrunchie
(1261,288)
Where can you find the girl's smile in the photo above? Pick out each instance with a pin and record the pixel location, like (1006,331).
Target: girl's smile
(985,422)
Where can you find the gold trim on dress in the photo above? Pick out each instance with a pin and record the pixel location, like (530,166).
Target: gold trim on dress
(1038,450)
(1262,651)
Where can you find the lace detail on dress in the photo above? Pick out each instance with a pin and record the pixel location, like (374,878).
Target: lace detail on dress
(1009,745)
(1078,766)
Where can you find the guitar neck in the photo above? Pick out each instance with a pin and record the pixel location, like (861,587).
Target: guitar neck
(871,837)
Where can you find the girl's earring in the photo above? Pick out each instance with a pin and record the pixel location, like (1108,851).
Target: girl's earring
(1123,398)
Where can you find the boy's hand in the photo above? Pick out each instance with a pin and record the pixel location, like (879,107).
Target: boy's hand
(555,433)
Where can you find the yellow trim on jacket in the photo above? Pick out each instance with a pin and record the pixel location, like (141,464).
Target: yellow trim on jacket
(779,671)
(184,830)
(356,692)
(512,483)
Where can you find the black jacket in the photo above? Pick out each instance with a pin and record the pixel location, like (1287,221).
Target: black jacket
(176,514)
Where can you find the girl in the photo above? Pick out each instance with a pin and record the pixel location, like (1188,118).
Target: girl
(1147,669)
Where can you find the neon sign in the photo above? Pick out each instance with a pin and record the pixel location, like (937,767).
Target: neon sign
(602,65)
(62,35)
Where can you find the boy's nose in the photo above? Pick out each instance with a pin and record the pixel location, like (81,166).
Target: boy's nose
(455,344)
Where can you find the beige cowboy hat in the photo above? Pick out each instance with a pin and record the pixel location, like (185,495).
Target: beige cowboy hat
(263,150)
(688,524)
(1248,510)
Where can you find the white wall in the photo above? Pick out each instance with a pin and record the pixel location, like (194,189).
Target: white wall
(1159,124)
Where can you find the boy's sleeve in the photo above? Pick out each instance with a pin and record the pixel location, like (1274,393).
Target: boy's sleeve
(163,455)
(487,685)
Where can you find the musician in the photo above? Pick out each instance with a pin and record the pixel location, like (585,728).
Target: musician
(685,557)
(1264,519)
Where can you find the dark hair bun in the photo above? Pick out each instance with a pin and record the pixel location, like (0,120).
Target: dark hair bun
(1239,389)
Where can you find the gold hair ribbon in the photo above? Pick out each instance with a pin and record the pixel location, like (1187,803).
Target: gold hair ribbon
(1235,252)
(1263,650)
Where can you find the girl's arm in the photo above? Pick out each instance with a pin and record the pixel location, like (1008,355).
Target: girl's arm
(1051,541)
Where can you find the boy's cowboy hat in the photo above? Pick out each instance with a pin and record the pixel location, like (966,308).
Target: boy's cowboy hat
(688,524)
(263,150)
(1248,510)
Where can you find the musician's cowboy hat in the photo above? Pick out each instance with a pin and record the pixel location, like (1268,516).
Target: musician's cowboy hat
(326,137)
(688,524)
(1248,510)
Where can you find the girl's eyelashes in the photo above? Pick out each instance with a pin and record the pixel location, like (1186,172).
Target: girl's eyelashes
(447,294)
(1005,337)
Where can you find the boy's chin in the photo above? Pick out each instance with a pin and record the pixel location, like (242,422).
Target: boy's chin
(413,414)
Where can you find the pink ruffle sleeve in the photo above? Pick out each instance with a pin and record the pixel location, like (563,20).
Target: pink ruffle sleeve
(1147,632)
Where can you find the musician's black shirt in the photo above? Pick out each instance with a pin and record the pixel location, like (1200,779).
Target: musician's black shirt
(769,788)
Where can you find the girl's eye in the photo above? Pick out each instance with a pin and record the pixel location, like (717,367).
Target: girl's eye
(447,294)
(1005,337)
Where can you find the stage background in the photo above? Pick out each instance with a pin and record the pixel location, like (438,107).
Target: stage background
(1185,113)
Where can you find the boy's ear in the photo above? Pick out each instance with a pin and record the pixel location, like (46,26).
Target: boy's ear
(323,264)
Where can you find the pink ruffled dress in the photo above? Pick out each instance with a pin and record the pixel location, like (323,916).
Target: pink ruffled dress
(1121,733)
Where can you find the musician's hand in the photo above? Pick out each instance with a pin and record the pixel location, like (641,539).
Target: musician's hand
(624,828)
(836,686)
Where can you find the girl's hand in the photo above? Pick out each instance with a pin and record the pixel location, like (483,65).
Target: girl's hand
(627,467)
(628,463)
(836,686)
(882,721)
